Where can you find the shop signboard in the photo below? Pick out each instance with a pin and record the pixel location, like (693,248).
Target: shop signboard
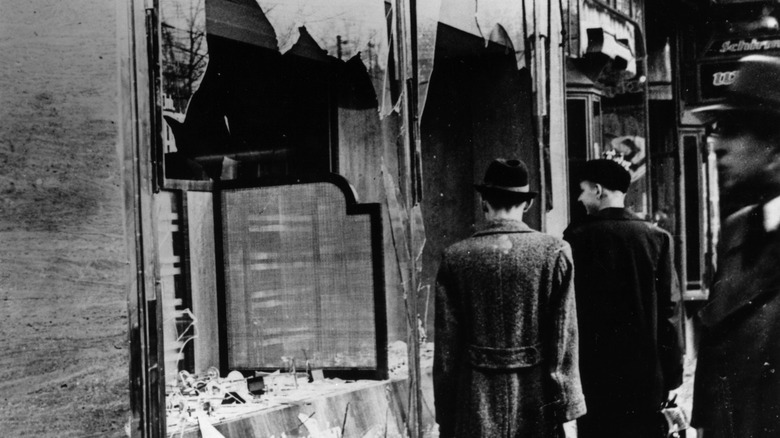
(714,78)
(740,28)
(738,47)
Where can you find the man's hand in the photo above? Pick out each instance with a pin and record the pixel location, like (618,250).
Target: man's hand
(570,429)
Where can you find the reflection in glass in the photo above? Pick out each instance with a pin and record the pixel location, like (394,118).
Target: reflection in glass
(184,50)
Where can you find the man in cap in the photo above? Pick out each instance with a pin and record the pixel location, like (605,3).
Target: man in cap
(505,358)
(737,383)
(628,306)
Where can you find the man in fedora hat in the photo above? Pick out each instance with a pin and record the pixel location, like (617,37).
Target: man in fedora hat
(737,383)
(505,358)
(628,307)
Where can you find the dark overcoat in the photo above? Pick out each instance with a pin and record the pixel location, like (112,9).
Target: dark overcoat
(629,311)
(505,357)
(737,384)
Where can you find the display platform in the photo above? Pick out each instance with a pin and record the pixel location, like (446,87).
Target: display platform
(293,407)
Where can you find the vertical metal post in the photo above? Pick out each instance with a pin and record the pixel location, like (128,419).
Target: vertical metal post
(139,381)
(147,396)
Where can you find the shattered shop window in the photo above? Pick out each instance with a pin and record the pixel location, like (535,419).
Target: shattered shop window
(254,88)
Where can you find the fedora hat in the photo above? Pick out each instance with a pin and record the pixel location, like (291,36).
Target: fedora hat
(756,89)
(509,176)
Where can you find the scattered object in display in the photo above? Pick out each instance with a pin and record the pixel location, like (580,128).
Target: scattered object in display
(195,397)
(317,375)
(201,400)
(256,385)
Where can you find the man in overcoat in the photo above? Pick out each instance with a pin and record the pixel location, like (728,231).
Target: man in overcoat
(628,306)
(737,382)
(505,357)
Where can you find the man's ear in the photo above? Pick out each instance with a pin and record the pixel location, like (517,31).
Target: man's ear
(599,190)
(528,205)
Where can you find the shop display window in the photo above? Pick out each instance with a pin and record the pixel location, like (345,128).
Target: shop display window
(702,223)
(266,114)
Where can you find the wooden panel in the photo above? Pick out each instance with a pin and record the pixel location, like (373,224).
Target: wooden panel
(203,282)
(300,281)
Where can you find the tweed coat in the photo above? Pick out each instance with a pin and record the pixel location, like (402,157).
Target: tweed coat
(505,356)
(737,384)
(629,311)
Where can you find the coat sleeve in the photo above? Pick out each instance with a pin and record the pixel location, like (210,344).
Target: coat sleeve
(447,351)
(563,344)
(670,318)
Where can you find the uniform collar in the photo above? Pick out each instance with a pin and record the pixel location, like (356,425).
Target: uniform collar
(504,226)
(768,215)
(772,215)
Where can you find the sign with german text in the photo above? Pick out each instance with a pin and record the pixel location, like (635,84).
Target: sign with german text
(742,46)
(714,78)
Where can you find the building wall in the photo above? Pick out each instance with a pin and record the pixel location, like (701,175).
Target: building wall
(557,219)
(63,272)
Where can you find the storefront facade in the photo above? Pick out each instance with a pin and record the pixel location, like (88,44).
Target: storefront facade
(607,92)
(270,189)
(629,88)
(368,126)
(291,174)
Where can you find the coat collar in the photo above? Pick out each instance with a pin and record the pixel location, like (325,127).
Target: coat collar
(616,214)
(737,227)
(502,226)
